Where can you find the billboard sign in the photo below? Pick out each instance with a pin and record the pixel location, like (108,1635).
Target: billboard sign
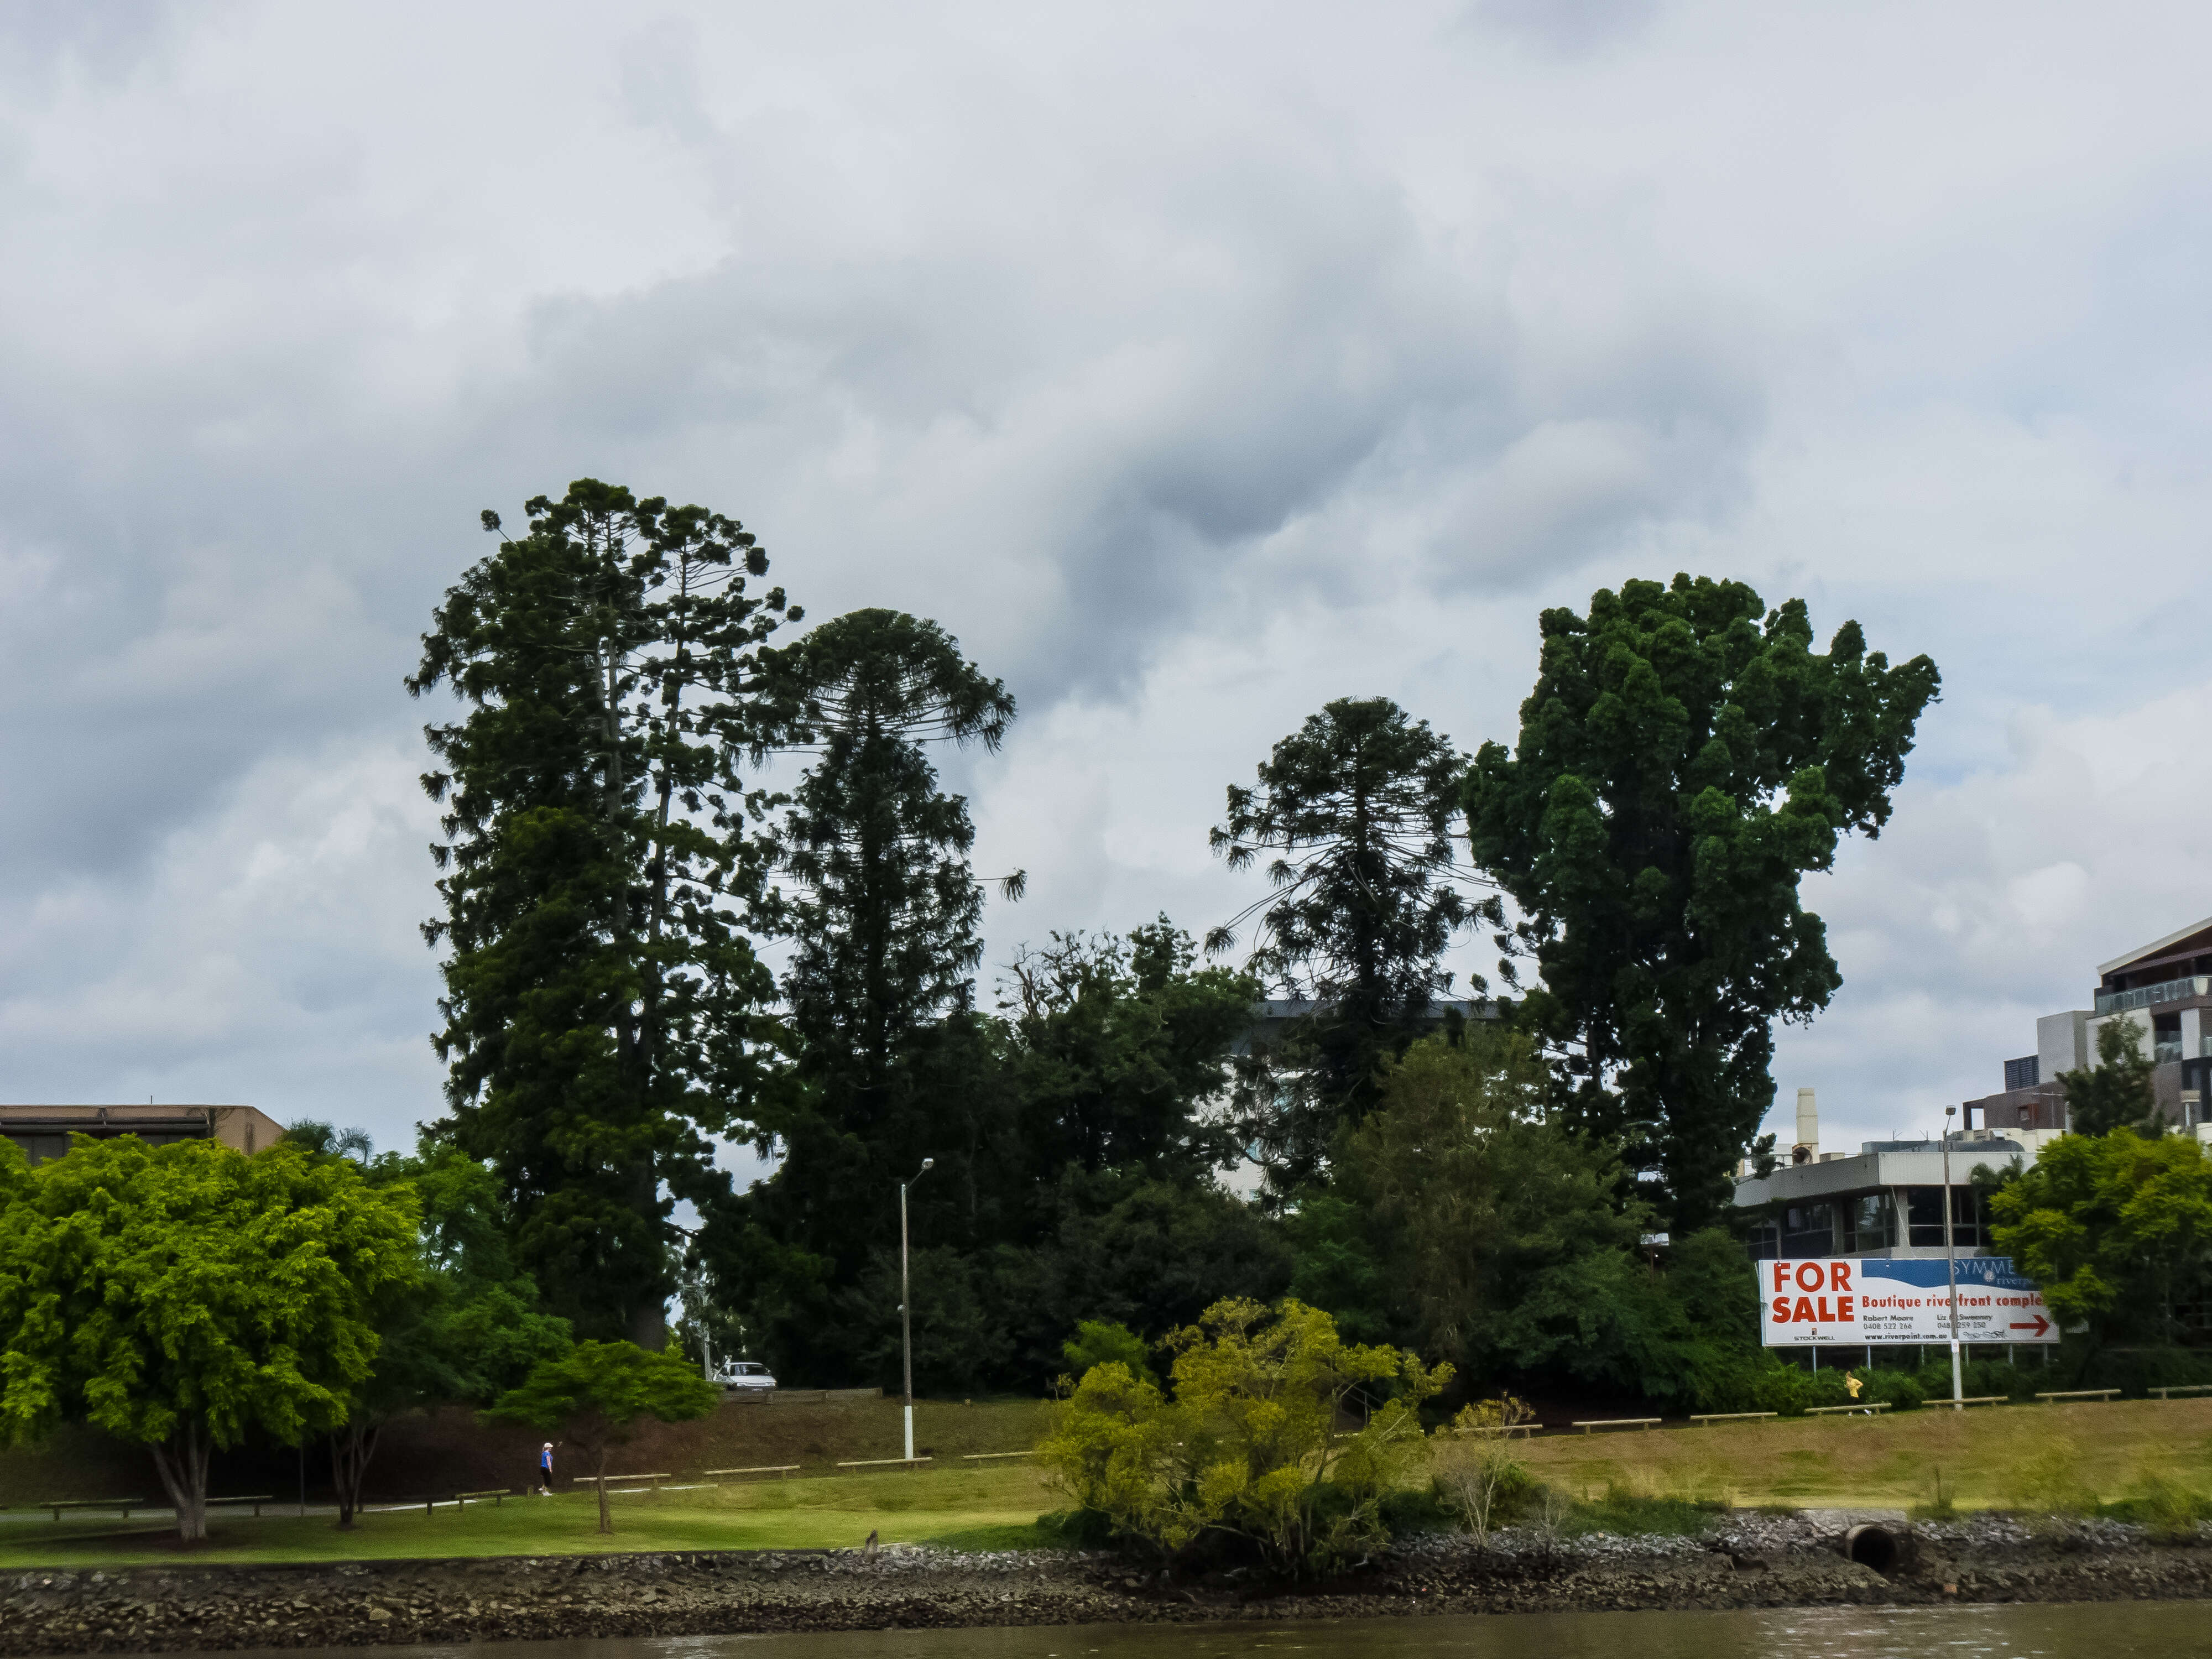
(1850,1301)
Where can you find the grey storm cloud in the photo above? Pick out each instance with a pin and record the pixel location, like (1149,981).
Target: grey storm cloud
(1192,365)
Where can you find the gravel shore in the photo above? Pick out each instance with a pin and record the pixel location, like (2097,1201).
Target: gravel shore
(1746,1560)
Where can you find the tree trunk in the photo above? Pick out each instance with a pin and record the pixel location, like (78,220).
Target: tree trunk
(606,1522)
(648,1326)
(182,1461)
(351,1447)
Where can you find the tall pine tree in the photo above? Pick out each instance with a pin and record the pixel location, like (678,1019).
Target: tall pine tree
(882,910)
(602,1005)
(1355,808)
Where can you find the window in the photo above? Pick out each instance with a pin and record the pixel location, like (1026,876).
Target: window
(1923,1218)
(1870,1224)
(2165,1037)
(2022,1073)
(1809,1230)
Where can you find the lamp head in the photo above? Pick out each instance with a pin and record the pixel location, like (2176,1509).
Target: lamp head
(927,1161)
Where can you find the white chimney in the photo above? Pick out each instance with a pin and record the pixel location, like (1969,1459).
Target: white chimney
(1809,1125)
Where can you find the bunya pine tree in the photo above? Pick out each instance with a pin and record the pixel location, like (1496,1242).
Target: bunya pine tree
(604,1009)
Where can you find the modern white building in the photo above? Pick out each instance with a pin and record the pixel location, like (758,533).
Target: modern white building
(1885,1200)
(2162,992)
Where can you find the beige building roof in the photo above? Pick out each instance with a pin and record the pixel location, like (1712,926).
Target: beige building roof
(43,1131)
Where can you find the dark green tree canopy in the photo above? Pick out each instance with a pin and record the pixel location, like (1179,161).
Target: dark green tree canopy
(1119,1045)
(891,1062)
(1685,758)
(602,1005)
(885,915)
(1357,809)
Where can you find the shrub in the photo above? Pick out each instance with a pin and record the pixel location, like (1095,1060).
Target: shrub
(2168,1510)
(1477,1475)
(1105,1342)
(1899,1390)
(1251,1444)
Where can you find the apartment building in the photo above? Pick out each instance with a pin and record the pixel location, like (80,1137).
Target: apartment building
(2162,992)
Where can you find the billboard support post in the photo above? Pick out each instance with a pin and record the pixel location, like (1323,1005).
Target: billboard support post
(1951,1268)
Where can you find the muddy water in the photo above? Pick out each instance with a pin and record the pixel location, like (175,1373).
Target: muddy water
(2121,1630)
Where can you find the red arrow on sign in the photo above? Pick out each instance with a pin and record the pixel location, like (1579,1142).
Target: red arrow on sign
(2040,1326)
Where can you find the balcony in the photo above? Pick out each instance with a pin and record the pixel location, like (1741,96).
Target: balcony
(2172,990)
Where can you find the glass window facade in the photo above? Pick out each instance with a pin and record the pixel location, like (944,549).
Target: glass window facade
(1870,1224)
(1923,1218)
(1809,1230)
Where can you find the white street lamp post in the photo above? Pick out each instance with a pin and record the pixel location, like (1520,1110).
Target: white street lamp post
(906,1307)
(1951,1268)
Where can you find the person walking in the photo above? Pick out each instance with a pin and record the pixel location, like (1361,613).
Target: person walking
(545,1471)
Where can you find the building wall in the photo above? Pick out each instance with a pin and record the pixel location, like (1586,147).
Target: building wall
(2062,1044)
(43,1131)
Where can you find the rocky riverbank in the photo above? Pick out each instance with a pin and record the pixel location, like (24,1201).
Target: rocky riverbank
(1747,1561)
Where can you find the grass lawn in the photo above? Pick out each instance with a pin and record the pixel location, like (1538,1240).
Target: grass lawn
(2035,1456)
(1988,1456)
(972,1508)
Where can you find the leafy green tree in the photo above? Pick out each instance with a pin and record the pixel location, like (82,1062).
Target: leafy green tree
(595,1395)
(2117,1092)
(1253,1445)
(1511,1240)
(1149,1252)
(467,1327)
(1685,758)
(1355,808)
(1104,1342)
(604,1011)
(1118,1048)
(2114,1227)
(183,1297)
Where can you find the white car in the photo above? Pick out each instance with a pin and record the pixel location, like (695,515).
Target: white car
(744,1375)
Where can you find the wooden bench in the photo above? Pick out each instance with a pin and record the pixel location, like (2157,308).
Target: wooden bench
(1587,1423)
(57,1504)
(1869,1406)
(1729,1416)
(1977,1400)
(884,1462)
(655,1479)
(255,1499)
(2168,1392)
(2057,1394)
(462,1498)
(1509,1430)
(780,1471)
(988,1457)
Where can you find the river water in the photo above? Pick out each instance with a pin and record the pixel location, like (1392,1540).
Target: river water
(2110,1630)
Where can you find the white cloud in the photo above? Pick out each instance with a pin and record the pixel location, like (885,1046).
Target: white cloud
(1194,366)
(1992,900)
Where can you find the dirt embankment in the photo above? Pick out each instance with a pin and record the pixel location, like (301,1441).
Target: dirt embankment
(450,1450)
(1755,1562)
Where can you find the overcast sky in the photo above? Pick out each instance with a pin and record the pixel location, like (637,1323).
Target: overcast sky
(1194,365)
